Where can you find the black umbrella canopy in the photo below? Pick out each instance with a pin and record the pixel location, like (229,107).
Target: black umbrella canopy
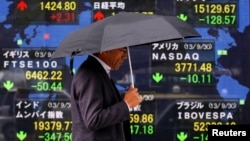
(124,29)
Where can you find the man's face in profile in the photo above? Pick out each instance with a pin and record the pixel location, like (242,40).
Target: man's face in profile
(114,58)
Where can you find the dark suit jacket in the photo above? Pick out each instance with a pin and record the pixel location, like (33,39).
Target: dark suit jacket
(98,111)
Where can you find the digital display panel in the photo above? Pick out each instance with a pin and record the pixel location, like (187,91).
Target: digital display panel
(46,12)
(41,116)
(102,9)
(186,84)
(40,72)
(209,12)
(142,117)
(188,62)
(199,113)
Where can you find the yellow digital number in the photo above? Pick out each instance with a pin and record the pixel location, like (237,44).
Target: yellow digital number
(185,67)
(39,125)
(134,118)
(47,6)
(56,75)
(46,125)
(215,8)
(27,75)
(67,125)
(52,125)
(147,118)
(58,125)
(43,75)
(58,5)
(202,126)
(189,67)
(144,118)
(206,67)
(230,8)
(199,8)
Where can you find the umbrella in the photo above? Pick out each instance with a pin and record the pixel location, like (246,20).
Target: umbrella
(124,29)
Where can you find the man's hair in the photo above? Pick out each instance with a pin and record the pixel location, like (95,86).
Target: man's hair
(96,54)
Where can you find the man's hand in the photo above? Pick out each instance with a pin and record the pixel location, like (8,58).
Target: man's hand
(132,97)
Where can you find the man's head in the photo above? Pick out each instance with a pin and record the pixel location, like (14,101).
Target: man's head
(113,58)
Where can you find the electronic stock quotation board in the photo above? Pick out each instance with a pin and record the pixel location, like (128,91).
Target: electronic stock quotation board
(186,84)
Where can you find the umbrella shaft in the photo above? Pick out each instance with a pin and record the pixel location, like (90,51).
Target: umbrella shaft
(130,68)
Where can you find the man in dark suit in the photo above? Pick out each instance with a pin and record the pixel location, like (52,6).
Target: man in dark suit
(99,113)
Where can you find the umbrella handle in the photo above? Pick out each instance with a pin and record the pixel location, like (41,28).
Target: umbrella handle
(130,68)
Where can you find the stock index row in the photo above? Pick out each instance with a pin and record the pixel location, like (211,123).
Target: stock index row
(199,13)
